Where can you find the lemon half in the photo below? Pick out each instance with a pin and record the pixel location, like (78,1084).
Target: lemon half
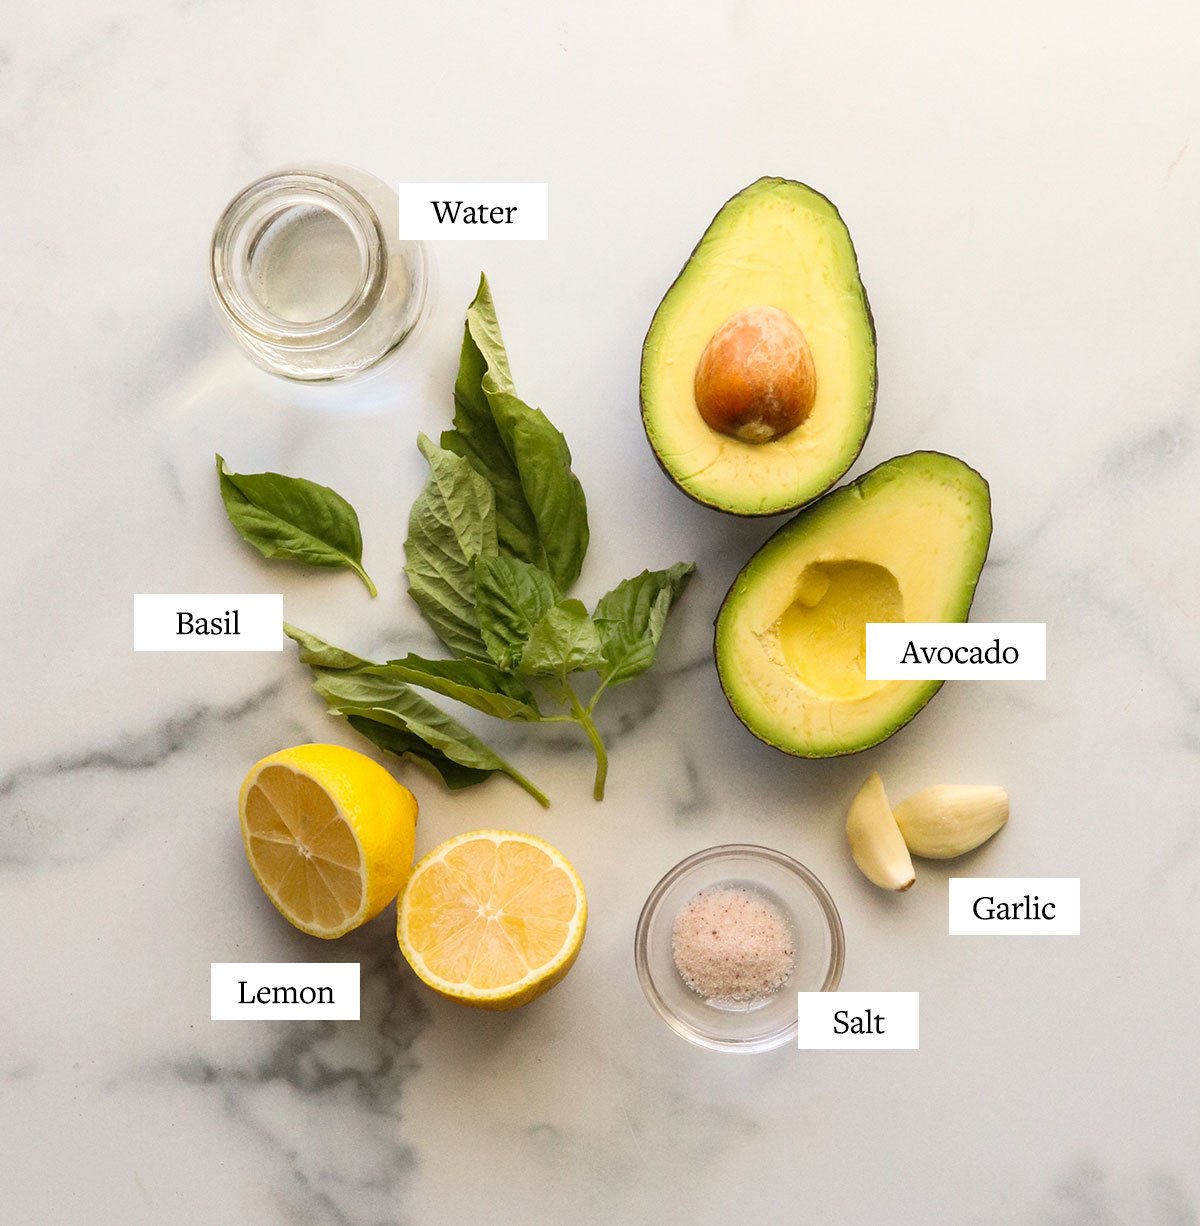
(329,835)
(492,918)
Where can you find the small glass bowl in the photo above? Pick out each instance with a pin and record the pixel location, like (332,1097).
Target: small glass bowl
(795,893)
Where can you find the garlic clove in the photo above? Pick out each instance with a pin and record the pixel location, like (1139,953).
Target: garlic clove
(947,821)
(876,843)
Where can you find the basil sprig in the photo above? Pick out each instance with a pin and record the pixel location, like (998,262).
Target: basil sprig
(289,517)
(491,576)
(495,541)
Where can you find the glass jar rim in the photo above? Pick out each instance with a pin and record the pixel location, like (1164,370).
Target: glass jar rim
(244,222)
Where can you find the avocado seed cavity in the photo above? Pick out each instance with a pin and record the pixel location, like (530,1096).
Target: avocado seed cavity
(823,631)
(755,380)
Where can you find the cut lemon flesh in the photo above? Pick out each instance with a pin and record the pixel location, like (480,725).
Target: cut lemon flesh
(328,834)
(492,918)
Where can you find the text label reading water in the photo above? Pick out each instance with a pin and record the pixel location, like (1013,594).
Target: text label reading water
(474,211)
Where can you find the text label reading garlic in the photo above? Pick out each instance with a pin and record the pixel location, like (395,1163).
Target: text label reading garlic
(832,1021)
(1014,906)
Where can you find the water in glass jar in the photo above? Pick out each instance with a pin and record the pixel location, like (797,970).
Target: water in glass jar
(307,265)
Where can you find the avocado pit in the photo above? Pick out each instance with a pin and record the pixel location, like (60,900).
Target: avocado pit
(755,380)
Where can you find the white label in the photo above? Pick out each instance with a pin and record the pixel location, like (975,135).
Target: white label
(475,211)
(1014,906)
(208,622)
(296,991)
(830,1021)
(947,651)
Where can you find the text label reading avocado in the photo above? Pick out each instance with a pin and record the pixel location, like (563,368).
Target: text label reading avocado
(946,651)
(295,991)
(475,211)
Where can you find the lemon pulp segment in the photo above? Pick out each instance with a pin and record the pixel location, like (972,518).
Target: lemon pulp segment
(300,845)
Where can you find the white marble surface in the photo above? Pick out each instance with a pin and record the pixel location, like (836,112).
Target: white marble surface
(1023,185)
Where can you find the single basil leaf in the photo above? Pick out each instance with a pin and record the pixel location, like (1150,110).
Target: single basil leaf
(476,436)
(510,596)
(630,619)
(320,654)
(452,522)
(289,517)
(407,745)
(477,683)
(564,640)
(541,511)
(551,489)
(387,700)
(325,658)
(381,707)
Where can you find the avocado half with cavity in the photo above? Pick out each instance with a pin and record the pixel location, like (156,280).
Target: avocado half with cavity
(905,542)
(758,372)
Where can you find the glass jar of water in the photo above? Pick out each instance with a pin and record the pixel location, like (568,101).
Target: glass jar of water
(310,276)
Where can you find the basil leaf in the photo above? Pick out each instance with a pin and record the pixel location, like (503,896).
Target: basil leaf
(563,641)
(289,517)
(452,522)
(406,744)
(477,683)
(510,596)
(630,620)
(375,695)
(541,511)
(320,654)
(551,489)
(407,725)
(475,435)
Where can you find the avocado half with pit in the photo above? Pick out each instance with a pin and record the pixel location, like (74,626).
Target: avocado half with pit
(905,542)
(758,372)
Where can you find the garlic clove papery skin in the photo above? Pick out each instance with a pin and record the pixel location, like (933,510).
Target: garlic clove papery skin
(950,820)
(875,840)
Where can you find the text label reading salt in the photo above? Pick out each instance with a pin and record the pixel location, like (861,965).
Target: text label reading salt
(833,1021)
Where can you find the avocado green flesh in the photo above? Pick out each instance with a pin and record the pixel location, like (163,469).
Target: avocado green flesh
(777,243)
(905,542)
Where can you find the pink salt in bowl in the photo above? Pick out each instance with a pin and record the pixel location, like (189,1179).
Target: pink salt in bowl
(802,926)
